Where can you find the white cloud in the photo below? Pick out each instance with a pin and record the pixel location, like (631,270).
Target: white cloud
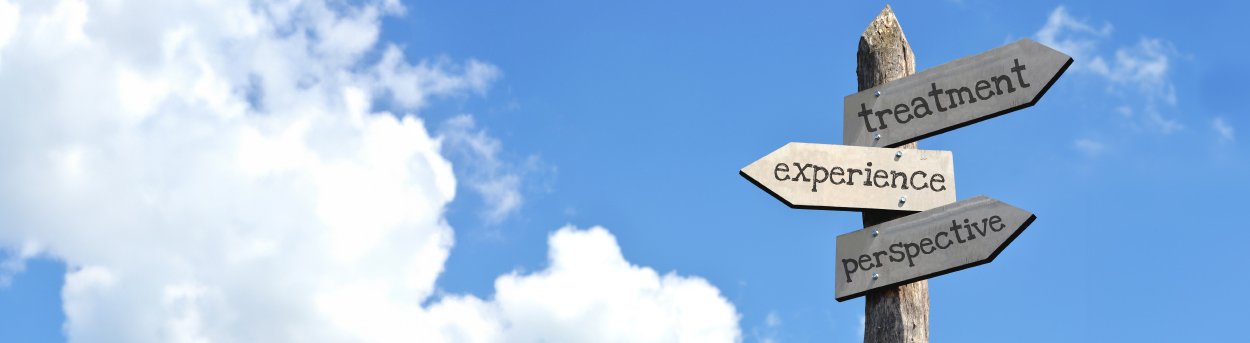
(216,172)
(498,181)
(412,85)
(1089,147)
(1074,37)
(769,333)
(1143,68)
(8,22)
(1222,128)
(590,293)
(15,263)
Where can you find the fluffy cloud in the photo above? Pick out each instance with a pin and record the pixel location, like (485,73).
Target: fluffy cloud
(217,171)
(1143,68)
(16,262)
(590,293)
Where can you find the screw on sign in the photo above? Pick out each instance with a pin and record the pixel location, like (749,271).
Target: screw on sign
(952,95)
(826,176)
(890,260)
(965,234)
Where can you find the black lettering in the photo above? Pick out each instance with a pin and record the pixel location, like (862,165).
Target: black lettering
(894,176)
(868,175)
(936,100)
(967,227)
(935,180)
(881,120)
(817,178)
(955,228)
(983,85)
(877,255)
(982,228)
(998,84)
(896,252)
(781,168)
(836,171)
(850,176)
(995,220)
(848,266)
(919,103)
(961,91)
(938,243)
(922,176)
(910,254)
(865,259)
(1019,69)
(927,243)
(801,172)
(900,109)
(868,111)
(880,175)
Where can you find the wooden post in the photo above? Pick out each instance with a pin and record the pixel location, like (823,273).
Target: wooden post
(893,314)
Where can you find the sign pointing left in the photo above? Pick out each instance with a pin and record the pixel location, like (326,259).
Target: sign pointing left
(841,177)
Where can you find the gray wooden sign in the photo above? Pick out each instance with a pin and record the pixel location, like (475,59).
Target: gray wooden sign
(953,95)
(924,245)
(841,177)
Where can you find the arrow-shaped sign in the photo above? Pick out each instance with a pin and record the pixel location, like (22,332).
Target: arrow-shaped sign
(927,244)
(840,177)
(952,95)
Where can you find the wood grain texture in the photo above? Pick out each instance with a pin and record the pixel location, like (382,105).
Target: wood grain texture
(970,89)
(893,314)
(943,240)
(835,177)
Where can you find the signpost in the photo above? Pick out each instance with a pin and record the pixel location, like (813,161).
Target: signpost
(952,95)
(881,173)
(826,176)
(927,244)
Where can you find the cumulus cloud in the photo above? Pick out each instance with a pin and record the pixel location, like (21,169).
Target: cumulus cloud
(218,172)
(590,293)
(1142,69)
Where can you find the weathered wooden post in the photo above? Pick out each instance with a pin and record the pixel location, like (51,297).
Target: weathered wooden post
(895,314)
(907,195)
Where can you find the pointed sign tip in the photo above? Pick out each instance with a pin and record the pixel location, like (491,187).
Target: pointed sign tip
(1000,224)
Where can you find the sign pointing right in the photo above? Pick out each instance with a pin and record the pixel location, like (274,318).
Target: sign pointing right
(953,95)
(923,245)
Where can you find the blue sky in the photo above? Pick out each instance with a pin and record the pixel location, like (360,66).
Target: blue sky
(637,116)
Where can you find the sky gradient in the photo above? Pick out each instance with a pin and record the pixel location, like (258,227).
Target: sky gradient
(555,117)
